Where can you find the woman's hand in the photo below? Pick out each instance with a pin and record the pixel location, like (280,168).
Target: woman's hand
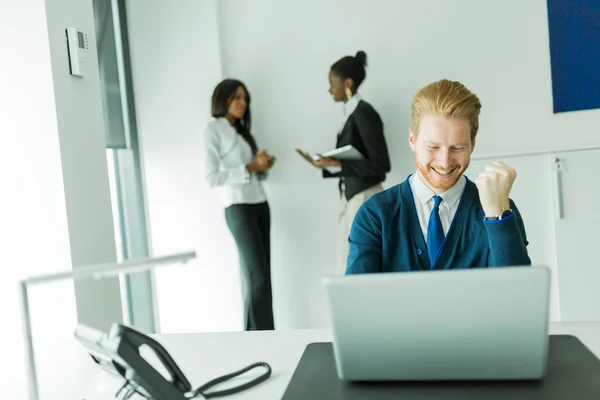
(325,162)
(268,160)
(321,162)
(262,162)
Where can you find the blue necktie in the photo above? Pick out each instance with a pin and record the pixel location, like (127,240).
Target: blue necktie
(435,231)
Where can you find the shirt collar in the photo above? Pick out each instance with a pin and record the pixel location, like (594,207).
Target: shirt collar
(351,105)
(425,194)
(220,120)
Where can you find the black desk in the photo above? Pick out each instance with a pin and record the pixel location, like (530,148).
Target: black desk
(573,373)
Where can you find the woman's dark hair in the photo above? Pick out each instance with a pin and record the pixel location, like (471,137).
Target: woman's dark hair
(352,67)
(222,98)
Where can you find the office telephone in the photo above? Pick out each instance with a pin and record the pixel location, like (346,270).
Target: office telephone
(119,352)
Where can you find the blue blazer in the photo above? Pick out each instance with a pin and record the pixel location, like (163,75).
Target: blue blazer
(386,236)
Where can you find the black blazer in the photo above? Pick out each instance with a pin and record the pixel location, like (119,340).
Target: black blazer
(364,131)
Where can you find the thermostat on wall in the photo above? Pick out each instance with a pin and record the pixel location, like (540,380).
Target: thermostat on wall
(77,42)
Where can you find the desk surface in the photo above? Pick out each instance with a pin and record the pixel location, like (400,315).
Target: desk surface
(204,356)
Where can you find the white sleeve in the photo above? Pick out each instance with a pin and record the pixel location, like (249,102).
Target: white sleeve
(213,174)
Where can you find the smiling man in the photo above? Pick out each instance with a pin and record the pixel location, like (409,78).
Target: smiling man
(437,218)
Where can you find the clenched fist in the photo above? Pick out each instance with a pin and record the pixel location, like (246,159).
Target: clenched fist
(494,185)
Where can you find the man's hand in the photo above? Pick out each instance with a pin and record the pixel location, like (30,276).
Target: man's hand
(494,185)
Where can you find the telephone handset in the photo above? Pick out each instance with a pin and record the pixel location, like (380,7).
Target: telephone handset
(119,352)
(136,340)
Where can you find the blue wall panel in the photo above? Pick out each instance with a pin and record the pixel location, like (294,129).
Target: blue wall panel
(574,27)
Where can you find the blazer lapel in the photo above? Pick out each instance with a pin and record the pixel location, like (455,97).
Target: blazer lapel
(342,135)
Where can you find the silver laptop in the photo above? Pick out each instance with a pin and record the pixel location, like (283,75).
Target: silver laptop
(471,324)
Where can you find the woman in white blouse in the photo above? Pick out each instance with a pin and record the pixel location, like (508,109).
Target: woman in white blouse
(234,163)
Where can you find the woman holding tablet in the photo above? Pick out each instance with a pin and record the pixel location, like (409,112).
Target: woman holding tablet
(362,129)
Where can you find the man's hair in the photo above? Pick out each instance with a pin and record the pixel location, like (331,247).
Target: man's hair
(448,99)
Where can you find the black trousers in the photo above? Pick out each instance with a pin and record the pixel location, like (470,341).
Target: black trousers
(250,225)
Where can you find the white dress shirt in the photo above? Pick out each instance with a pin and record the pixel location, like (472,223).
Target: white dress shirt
(349,108)
(423,198)
(225,159)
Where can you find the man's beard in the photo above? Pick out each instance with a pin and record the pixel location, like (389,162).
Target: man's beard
(434,180)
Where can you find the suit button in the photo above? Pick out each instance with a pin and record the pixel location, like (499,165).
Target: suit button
(419,252)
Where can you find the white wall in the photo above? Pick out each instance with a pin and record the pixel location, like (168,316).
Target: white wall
(55,205)
(175,65)
(34,228)
(283,52)
(534,176)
